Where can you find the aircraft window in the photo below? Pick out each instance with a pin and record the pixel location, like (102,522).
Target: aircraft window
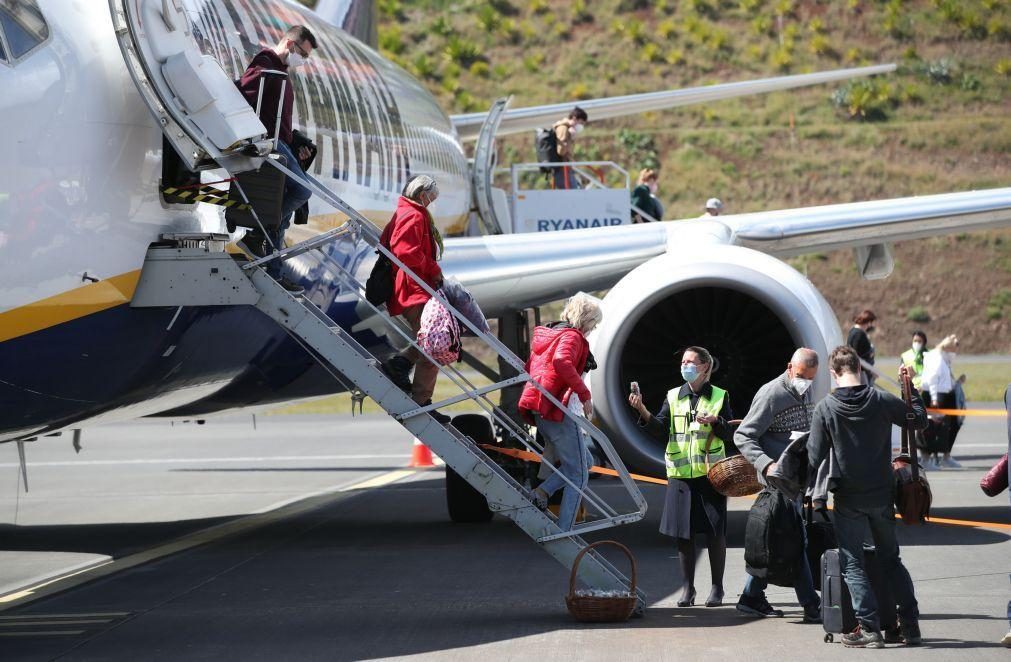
(23,26)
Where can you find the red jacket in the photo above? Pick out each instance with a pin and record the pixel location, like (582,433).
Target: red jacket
(409,236)
(249,85)
(557,359)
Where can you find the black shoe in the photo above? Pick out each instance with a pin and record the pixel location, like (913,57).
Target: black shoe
(715,598)
(440,418)
(398,369)
(861,638)
(812,614)
(291,286)
(687,600)
(910,633)
(757,607)
(892,635)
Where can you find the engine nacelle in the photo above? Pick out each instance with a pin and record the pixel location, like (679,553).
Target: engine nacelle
(748,309)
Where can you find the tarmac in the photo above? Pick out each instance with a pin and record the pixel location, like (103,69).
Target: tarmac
(307,539)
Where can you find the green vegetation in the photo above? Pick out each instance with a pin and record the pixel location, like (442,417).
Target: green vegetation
(918,314)
(999,305)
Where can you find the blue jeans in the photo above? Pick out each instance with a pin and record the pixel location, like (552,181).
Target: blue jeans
(575,465)
(295,195)
(851,526)
(754,587)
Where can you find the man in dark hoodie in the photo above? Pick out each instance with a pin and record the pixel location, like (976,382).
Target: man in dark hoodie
(780,409)
(290,52)
(855,424)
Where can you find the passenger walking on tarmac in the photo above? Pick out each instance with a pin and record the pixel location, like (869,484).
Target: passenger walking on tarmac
(565,131)
(859,339)
(714,206)
(558,355)
(938,382)
(912,358)
(289,53)
(644,198)
(693,422)
(780,410)
(412,236)
(855,423)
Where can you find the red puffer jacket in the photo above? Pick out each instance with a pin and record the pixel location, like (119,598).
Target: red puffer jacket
(557,359)
(409,236)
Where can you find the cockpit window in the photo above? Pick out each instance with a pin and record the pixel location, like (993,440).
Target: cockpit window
(23,27)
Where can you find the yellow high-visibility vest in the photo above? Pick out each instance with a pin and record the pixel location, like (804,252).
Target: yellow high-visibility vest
(910,359)
(686,455)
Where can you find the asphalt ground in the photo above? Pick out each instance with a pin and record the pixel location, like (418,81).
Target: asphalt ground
(359,561)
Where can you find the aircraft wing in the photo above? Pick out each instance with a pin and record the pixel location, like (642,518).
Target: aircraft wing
(511,272)
(468,126)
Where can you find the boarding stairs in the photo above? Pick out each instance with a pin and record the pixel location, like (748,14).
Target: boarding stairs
(194,270)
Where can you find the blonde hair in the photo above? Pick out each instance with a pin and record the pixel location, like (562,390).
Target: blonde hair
(582,311)
(949,343)
(647,175)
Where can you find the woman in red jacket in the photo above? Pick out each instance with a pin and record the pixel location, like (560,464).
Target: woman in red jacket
(558,357)
(411,235)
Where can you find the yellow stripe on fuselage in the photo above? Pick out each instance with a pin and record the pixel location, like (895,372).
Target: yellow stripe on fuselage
(67,306)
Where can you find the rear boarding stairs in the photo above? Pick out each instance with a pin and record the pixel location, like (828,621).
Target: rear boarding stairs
(194,270)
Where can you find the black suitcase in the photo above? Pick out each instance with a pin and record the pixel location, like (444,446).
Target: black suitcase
(837,606)
(820,538)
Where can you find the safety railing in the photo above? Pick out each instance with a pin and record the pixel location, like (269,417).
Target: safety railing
(358,227)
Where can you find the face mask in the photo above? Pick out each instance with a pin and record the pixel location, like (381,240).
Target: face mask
(949,356)
(653,186)
(800,385)
(689,372)
(577,128)
(917,347)
(295,59)
(870,329)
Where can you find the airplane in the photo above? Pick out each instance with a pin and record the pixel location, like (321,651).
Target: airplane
(80,202)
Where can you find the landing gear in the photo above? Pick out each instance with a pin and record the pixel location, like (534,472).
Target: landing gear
(465,504)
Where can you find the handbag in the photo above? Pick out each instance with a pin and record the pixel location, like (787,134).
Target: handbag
(379,286)
(912,491)
(995,480)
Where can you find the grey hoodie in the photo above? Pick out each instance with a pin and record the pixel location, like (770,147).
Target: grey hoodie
(775,412)
(856,423)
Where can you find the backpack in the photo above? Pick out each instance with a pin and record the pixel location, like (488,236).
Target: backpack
(439,335)
(547,147)
(774,539)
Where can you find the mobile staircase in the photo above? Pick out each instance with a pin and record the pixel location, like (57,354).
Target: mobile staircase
(194,270)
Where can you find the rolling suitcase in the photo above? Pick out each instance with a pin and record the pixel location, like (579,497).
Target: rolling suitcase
(837,606)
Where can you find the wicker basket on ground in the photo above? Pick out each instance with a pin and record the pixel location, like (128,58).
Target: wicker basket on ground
(734,477)
(590,608)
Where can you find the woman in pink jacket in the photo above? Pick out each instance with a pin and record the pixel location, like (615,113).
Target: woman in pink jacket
(558,357)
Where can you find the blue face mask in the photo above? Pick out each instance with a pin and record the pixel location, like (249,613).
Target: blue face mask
(689,372)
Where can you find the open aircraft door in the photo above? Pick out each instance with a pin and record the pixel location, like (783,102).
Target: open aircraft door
(490,201)
(202,113)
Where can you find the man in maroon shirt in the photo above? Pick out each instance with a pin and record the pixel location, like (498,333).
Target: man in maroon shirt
(290,52)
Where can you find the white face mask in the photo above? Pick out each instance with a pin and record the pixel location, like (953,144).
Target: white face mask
(295,59)
(949,356)
(577,128)
(653,186)
(917,347)
(800,385)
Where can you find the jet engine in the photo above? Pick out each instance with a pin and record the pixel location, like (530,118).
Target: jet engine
(748,309)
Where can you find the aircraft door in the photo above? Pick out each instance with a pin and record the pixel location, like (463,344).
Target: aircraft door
(487,198)
(201,112)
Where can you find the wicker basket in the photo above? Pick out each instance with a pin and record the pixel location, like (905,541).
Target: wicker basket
(735,477)
(598,609)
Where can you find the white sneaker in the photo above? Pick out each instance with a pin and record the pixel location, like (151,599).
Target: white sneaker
(930,465)
(1007,639)
(949,463)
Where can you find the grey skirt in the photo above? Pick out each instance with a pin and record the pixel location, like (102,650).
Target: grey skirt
(693,506)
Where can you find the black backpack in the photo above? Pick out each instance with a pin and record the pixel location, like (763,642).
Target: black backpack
(547,147)
(774,539)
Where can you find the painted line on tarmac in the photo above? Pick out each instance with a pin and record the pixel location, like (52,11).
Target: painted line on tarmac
(192,460)
(273,513)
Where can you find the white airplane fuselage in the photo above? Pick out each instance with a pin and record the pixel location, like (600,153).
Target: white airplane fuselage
(80,203)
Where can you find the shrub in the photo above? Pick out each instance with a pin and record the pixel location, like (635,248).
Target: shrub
(666,29)
(785,7)
(866,99)
(918,314)
(998,29)
(539,6)
(632,5)
(852,55)
(970,83)
(782,58)
(580,91)
(580,12)
(500,71)
(441,26)
(423,67)
(820,45)
(750,6)
(1003,67)
(391,40)
(940,71)
(488,18)
(392,8)
(533,62)
(508,30)
(997,303)
(561,30)
(650,53)
(462,50)
(480,69)
(675,57)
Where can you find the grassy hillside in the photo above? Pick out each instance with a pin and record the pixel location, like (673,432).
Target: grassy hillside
(941,123)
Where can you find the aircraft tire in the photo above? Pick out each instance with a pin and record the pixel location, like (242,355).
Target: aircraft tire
(465,504)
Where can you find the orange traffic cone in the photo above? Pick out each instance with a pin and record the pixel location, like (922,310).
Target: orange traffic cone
(421,455)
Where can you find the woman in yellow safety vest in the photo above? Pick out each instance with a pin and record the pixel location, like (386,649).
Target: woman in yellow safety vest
(913,358)
(693,422)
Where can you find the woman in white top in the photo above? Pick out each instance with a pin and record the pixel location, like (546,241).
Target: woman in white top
(939,383)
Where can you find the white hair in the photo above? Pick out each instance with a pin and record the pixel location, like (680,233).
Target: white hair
(582,311)
(420,184)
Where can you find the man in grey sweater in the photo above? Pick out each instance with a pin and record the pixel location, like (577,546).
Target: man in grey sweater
(780,408)
(855,423)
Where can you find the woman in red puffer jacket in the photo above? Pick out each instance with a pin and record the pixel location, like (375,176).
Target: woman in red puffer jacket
(558,357)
